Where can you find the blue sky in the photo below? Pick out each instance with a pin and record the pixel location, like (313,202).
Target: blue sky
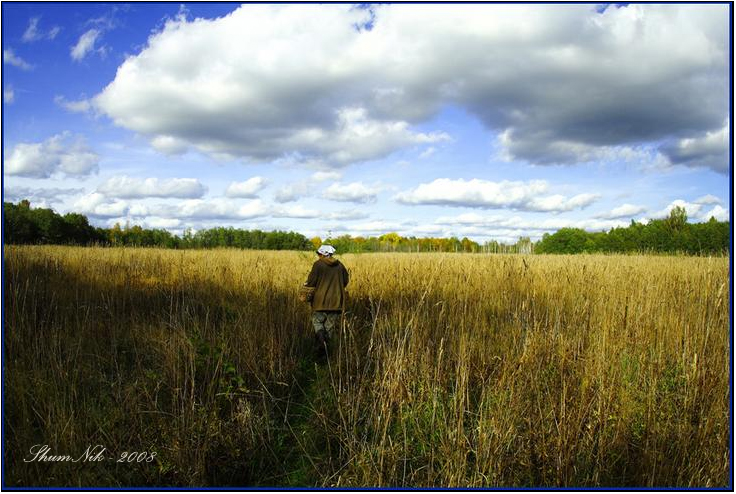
(486,121)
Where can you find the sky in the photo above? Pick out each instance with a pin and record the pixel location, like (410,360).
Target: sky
(486,121)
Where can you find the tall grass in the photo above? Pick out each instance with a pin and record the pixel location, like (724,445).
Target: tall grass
(449,370)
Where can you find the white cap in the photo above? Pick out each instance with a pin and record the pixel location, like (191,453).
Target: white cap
(326,250)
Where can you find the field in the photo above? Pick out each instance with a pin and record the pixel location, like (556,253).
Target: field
(450,370)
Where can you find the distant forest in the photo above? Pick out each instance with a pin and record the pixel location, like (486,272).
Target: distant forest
(25,225)
(670,235)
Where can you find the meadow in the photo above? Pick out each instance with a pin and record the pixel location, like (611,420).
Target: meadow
(451,370)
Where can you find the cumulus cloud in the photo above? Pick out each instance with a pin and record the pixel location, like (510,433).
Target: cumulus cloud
(623,211)
(692,209)
(557,82)
(33,33)
(61,153)
(218,209)
(707,199)
(85,44)
(297,190)
(165,223)
(202,211)
(292,192)
(10,58)
(248,188)
(96,205)
(475,193)
(697,210)
(718,212)
(352,192)
(707,150)
(125,187)
(215,209)
(36,195)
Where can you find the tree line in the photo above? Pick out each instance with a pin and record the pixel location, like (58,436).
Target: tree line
(25,225)
(669,235)
(393,242)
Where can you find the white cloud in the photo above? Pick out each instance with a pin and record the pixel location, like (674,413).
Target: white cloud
(249,117)
(36,194)
(695,210)
(204,211)
(169,145)
(8,94)
(475,193)
(248,188)
(60,153)
(557,202)
(32,33)
(352,192)
(98,206)
(361,138)
(427,152)
(691,209)
(561,83)
(297,211)
(718,212)
(138,209)
(79,106)
(11,58)
(348,214)
(292,192)
(165,223)
(296,190)
(326,175)
(220,209)
(85,44)
(707,199)
(623,211)
(125,187)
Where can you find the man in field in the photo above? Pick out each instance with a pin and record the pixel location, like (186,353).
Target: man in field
(329,279)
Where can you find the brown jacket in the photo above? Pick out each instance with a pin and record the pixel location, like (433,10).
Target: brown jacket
(329,277)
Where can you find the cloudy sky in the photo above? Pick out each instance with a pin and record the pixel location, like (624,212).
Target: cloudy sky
(486,121)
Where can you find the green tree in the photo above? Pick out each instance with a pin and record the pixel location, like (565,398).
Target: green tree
(677,218)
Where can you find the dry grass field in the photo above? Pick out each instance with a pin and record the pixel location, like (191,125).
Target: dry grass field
(450,370)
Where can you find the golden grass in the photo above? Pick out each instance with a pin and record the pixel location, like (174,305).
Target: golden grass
(451,370)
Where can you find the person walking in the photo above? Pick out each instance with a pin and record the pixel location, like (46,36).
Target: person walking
(328,279)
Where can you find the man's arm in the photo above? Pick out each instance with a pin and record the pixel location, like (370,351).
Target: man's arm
(313,277)
(345,276)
